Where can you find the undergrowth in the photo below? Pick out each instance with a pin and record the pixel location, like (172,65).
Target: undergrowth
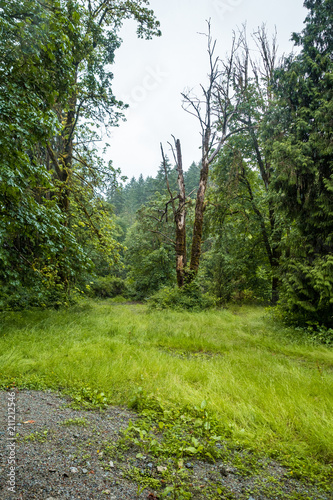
(168,439)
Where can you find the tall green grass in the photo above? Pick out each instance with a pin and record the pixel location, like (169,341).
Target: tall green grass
(273,389)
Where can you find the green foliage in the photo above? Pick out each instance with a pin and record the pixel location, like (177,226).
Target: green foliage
(142,478)
(150,261)
(57,87)
(189,297)
(149,257)
(88,399)
(41,437)
(313,333)
(234,271)
(172,435)
(244,223)
(187,431)
(76,421)
(302,151)
(35,73)
(150,272)
(319,334)
(307,292)
(136,193)
(107,287)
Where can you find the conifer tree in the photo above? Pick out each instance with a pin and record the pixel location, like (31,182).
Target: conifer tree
(303,151)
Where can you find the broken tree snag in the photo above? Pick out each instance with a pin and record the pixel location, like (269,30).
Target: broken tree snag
(172,199)
(214,110)
(180,220)
(179,212)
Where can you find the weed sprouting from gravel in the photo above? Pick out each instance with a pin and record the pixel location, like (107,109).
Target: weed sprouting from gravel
(76,421)
(41,437)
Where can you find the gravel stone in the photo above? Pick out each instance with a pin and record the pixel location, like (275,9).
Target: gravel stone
(35,459)
(223,471)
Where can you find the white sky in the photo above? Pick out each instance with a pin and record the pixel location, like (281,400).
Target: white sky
(150,75)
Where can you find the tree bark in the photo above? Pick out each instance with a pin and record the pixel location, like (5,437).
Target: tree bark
(180,221)
(179,213)
(199,219)
(66,157)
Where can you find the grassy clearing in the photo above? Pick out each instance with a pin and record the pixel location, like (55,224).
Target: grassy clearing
(272,389)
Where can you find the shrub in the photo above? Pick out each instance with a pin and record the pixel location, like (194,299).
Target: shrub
(190,296)
(107,287)
(307,290)
(312,332)
(37,295)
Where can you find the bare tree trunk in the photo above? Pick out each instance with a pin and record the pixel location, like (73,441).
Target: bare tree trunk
(214,110)
(180,220)
(179,213)
(275,288)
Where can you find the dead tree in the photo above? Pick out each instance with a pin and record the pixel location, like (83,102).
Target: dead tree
(224,109)
(214,110)
(179,212)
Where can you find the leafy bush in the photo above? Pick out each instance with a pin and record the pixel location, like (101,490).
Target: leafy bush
(190,296)
(149,269)
(311,332)
(88,399)
(107,287)
(320,334)
(233,274)
(37,295)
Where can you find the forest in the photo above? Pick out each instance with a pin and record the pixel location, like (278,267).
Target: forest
(255,220)
(201,297)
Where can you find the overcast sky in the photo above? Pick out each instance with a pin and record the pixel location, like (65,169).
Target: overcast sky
(150,75)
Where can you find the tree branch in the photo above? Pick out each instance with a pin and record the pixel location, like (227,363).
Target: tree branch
(167,181)
(162,234)
(54,160)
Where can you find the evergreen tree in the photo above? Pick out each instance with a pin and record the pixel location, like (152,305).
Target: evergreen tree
(301,127)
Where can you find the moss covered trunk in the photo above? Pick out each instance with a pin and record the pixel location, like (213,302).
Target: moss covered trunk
(198,220)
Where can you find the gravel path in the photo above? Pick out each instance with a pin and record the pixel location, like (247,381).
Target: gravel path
(58,456)
(61,461)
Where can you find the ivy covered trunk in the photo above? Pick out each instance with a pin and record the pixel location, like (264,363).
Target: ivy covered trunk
(66,158)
